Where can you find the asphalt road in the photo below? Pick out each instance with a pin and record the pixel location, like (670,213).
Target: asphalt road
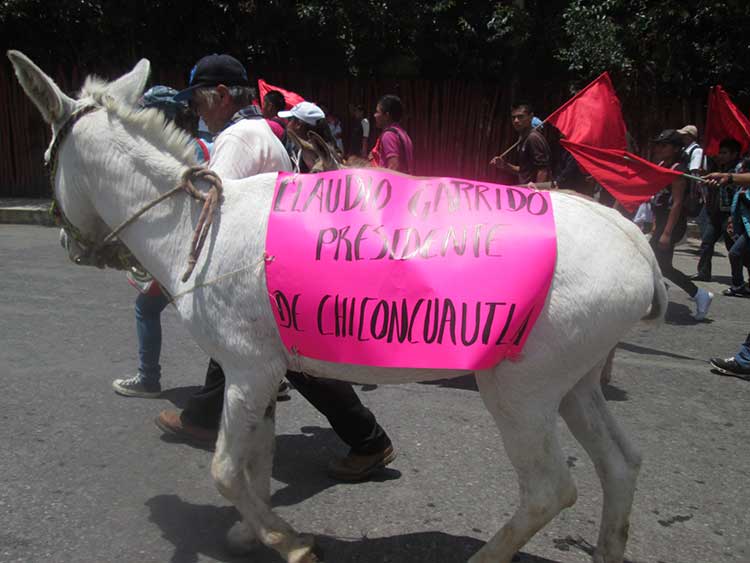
(85,476)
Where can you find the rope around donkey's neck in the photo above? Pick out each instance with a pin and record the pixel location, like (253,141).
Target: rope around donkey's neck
(210,199)
(264,258)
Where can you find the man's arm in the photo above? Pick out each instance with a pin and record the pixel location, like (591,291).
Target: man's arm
(720,178)
(392,163)
(391,145)
(500,162)
(540,157)
(678,192)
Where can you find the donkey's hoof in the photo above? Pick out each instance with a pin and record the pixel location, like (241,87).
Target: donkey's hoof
(240,539)
(306,551)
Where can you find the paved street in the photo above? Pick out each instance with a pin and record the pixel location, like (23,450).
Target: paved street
(85,476)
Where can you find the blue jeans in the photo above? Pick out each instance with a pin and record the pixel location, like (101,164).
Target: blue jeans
(703,221)
(737,258)
(743,356)
(148,310)
(715,229)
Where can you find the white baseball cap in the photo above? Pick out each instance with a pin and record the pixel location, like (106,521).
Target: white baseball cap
(691,130)
(304,111)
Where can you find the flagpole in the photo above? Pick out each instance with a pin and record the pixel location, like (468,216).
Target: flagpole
(684,174)
(562,107)
(514,145)
(696,178)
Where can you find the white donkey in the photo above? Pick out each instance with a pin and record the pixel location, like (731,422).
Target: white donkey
(114,159)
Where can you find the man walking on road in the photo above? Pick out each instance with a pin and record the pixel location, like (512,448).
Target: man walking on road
(219,92)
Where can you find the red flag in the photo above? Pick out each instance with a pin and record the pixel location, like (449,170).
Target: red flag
(724,120)
(291,98)
(593,116)
(629,178)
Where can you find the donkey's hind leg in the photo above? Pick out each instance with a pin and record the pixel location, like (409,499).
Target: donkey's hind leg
(528,425)
(617,462)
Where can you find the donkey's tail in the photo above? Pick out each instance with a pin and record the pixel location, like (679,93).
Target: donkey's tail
(659,301)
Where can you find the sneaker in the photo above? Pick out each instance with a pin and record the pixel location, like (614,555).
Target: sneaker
(173,423)
(136,387)
(700,277)
(729,366)
(355,467)
(283,393)
(702,303)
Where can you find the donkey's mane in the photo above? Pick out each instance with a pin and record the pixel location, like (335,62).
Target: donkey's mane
(152,124)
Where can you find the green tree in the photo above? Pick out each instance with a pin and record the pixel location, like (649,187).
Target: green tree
(674,47)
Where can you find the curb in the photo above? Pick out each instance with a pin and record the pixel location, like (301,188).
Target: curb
(26,212)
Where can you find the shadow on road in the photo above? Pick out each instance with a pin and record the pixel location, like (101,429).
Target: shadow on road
(612,393)
(681,315)
(724,280)
(736,376)
(312,449)
(654,352)
(580,544)
(688,250)
(199,530)
(466,382)
(195,529)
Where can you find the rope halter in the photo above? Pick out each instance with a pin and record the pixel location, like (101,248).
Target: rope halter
(110,251)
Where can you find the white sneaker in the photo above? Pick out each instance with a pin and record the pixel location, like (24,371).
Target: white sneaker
(702,303)
(136,387)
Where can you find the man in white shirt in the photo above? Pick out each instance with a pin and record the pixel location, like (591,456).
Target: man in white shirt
(245,145)
(693,151)
(696,196)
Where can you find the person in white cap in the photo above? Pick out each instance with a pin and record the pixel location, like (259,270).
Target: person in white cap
(303,118)
(694,158)
(696,200)
(219,92)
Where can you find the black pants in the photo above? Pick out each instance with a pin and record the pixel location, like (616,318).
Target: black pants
(715,230)
(336,400)
(664,256)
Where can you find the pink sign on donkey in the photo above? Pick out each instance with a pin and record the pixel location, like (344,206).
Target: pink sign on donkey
(377,268)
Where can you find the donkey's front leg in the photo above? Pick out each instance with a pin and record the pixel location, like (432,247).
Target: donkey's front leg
(242,464)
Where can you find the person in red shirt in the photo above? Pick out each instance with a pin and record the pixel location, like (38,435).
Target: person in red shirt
(394,148)
(273,103)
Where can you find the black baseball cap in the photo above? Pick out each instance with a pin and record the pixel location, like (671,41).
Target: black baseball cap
(213,70)
(668,137)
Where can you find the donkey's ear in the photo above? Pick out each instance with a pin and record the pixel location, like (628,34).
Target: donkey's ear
(47,97)
(129,87)
(298,141)
(329,160)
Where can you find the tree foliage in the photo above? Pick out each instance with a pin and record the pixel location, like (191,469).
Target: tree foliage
(677,47)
